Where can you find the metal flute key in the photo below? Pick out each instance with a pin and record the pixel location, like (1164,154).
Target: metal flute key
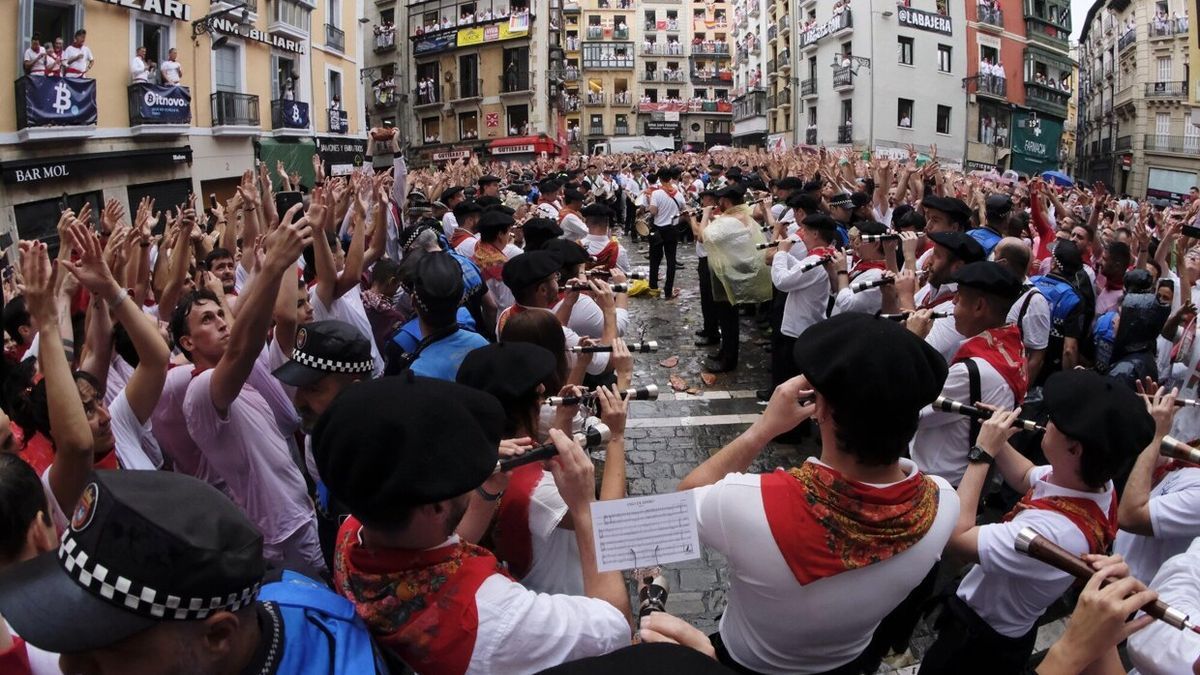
(1040,548)
(946,405)
(604,272)
(646,393)
(903,316)
(591,437)
(616,288)
(636,347)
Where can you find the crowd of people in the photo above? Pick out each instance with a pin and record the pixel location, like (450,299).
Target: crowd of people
(283,435)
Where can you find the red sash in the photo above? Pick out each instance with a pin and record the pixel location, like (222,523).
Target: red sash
(608,256)
(420,604)
(1003,350)
(825,524)
(1099,529)
(864,265)
(511,536)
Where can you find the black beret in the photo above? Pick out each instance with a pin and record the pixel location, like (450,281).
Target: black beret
(548,185)
(998,205)
(813,185)
(485,201)
(870,227)
(989,277)
(803,201)
(529,268)
(494,219)
(842,354)
(543,228)
(466,208)
(506,370)
(574,173)
(860,199)
(1066,252)
(955,208)
(706,193)
(450,193)
(964,247)
(597,210)
(820,221)
(733,172)
(439,281)
(789,183)
(572,195)
(1138,280)
(715,168)
(484,180)
(910,219)
(374,460)
(1107,417)
(568,252)
(732,191)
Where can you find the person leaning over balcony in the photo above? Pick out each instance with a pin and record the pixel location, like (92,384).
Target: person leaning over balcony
(77,58)
(139,68)
(36,58)
(171,70)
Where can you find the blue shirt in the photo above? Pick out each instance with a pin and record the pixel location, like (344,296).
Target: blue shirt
(409,335)
(442,358)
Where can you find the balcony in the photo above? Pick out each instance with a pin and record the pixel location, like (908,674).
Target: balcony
(845,134)
(662,106)
(651,76)
(425,97)
(1124,142)
(810,136)
(990,18)
(1166,90)
(515,83)
(838,23)
(385,41)
(706,107)
(1124,97)
(1046,32)
(571,7)
(37,120)
(808,87)
(784,100)
(235,114)
(987,85)
(622,98)
(1127,39)
(785,24)
(594,33)
(668,49)
(713,79)
(596,131)
(752,105)
(289,118)
(784,58)
(596,99)
(1047,99)
(339,121)
(843,78)
(335,38)
(159,110)
(771,68)
(754,11)
(385,97)
(621,130)
(712,50)
(772,32)
(469,90)
(670,26)
(1177,144)
(1164,28)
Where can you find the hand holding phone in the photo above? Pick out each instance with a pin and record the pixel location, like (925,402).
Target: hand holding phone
(286,200)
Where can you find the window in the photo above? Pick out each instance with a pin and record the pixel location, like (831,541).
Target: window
(943,119)
(847,108)
(468,125)
(905,50)
(1164,69)
(989,54)
(1191,137)
(1162,128)
(292,13)
(335,86)
(518,120)
(812,116)
(227,68)
(812,67)
(468,76)
(622,124)
(904,112)
(285,83)
(333,13)
(51,21)
(993,127)
(608,55)
(596,125)
(155,38)
(431,130)
(944,58)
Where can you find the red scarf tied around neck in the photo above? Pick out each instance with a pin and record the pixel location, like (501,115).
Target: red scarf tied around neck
(1003,350)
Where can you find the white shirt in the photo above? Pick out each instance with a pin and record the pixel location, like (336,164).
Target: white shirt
(348,308)
(668,207)
(807,292)
(555,567)
(587,318)
(1010,590)
(944,335)
(599,362)
(39,60)
(171,71)
(1159,649)
(548,210)
(136,447)
(137,67)
(1035,326)
(449,222)
(869,301)
(573,227)
(76,59)
(1174,518)
(943,439)
(759,625)
(594,243)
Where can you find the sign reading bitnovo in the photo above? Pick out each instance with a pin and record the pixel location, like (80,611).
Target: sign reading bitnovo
(930,21)
(164,104)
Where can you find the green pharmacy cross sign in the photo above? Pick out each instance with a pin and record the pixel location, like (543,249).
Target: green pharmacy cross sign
(1035,142)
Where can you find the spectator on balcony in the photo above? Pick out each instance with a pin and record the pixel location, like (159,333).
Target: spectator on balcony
(998,71)
(905,120)
(77,58)
(1161,27)
(171,71)
(289,89)
(139,69)
(510,75)
(36,57)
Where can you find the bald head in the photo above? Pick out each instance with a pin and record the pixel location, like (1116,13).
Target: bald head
(1014,254)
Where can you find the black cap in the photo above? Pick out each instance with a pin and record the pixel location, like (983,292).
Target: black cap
(327,347)
(860,199)
(548,185)
(1107,417)
(954,208)
(569,253)
(843,200)
(998,205)
(1066,252)
(142,547)
(840,354)
(789,183)
(408,236)
(870,227)
(530,268)
(484,180)
(374,460)
(989,277)
(571,196)
(964,247)
(803,201)
(733,192)
(813,185)
(820,221)
(450,193)
(540,230)
(438,282)
(494,220)
(506,370)
(597,210)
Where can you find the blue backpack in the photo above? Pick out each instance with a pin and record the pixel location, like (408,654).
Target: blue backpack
(1063,299)
(986,238)
(322,634)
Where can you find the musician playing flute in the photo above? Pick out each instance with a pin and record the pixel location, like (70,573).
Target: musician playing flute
(584,316)
(807,284)
(1160,507)
(870,262)
(569,217)
(988,368)
(445,606)
(951,250)
(1096,425)
(599,241)
(855,528)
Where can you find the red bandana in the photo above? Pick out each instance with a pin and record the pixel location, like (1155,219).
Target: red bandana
(1099,529)
(420,604)
(511,536)
(508,313)
(1161,472)
(491,261)
(1003,350)
(932,300)
(864,265)
(821,251)
(608,256)
(825,524)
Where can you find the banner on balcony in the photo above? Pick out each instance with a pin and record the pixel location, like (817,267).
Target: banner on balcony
(164,103)
(491,33)
(930,21)
(66,101)
(294,114)
(433,43)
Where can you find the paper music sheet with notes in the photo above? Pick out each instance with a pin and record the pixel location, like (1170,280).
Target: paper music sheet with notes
(645,531)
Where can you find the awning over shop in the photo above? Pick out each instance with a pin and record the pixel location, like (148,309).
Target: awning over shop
(295,153)
(526,145)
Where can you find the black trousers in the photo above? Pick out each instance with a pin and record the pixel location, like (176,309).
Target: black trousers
(727,322)
(967,644)
(663,242)
(630,218)
(856,667)
(707,310)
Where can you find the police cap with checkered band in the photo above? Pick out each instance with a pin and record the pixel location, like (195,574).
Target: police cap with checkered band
(326,348)
(142,547)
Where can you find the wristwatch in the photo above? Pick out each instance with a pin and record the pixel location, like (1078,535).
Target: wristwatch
(977,455)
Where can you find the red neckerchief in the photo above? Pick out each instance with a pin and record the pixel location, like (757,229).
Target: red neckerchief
(1161,472)
(491,261)
(1003,350)
(825,524)
(509,312)
(419,604)
(821,251)
(932,300)
(864,265)
(511,536)
(564,212)
(459,236)
(609,255)
(1099,529)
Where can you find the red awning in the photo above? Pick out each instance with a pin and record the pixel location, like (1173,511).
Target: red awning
(524,144)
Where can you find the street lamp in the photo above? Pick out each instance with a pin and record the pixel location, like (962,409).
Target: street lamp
(853,63)
(204,24)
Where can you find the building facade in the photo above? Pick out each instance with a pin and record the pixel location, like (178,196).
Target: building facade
(880,79)
(1135,130)
(782,105)
(259,80)
(749,73)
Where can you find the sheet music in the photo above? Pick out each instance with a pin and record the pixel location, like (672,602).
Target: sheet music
(645,531)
